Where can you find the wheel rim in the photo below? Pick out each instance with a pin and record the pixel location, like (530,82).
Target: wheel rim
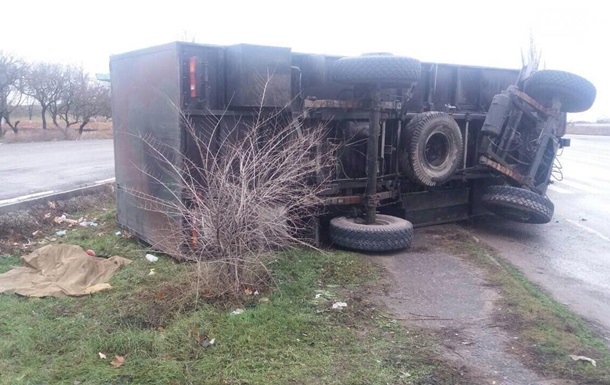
(437,150)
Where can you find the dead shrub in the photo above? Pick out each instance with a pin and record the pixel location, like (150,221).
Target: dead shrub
(248,190)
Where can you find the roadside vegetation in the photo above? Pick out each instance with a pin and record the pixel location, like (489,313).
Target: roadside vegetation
(548,331)
(289,333)
(165,333)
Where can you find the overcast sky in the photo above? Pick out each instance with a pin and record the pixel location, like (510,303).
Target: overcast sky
(572,34)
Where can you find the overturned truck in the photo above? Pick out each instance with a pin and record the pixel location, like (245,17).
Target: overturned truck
(420,143)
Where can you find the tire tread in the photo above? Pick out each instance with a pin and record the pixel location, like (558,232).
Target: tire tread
(395,236)
(513,197)
(386,69)
(576,93)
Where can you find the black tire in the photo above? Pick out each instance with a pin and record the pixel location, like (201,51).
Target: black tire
(387,234)
(518,204)
(382,69)
(431,148)
(575,93)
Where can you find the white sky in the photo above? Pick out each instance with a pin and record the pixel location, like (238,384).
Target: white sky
(572,34)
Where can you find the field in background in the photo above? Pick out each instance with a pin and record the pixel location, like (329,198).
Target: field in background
(589,129)
(31,130)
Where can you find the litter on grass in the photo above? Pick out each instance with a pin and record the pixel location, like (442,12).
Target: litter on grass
(237,311)
(118,361)
(583,358)
(151,258)
(339,305)
(87,224)
(63,219)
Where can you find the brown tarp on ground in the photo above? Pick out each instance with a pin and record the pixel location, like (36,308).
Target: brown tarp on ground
(59,271)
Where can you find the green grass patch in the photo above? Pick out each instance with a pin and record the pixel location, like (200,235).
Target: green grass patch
(284,336)
(549,332)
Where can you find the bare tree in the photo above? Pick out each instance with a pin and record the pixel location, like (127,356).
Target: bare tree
(83,99)
(531,59)
(95,101)
(74,82)
(12,71)
(45,83)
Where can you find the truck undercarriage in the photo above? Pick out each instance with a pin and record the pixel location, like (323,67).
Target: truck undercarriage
(415,143)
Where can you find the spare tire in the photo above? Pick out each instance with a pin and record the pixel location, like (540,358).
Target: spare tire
(518,204)
(382,69)
(388,233)
(431,148)
(575,93)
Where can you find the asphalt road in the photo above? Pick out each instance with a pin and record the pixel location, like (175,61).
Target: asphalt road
(569,257)
(29,170)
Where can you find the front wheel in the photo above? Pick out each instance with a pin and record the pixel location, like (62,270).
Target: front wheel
(575,93)
(388,233)
(518,204)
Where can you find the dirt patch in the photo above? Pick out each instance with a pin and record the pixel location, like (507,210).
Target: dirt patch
(23,231)
(445,293)
(157,307)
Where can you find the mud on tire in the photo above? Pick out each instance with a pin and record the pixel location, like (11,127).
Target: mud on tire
(381,69)
(518,204)
(431,148)
(387,234)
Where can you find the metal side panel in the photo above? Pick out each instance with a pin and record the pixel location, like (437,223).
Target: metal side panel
(459,88)
(435,207)
(258,76)
(146,116)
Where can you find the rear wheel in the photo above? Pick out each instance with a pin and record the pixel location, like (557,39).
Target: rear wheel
(388,233)
(518,204)
(575,93)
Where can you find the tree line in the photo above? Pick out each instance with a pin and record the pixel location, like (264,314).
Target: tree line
(65,93)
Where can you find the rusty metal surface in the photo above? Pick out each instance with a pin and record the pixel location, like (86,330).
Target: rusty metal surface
(534,103)
(505,170)
(358,199)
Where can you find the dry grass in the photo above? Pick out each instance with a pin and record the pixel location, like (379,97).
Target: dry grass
(32,132)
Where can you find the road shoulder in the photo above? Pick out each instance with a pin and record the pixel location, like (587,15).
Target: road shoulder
(482,309)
